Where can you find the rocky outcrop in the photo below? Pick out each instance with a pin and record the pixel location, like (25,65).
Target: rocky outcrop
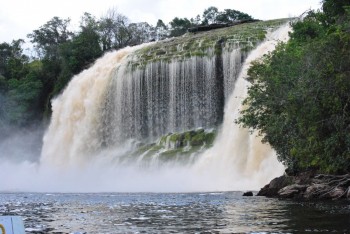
(271,189)
(308,185)
(248,194)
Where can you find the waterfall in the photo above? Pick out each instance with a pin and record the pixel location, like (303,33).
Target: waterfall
(108,111)
(75,129)
(238,159)
(163,97)
(113,102)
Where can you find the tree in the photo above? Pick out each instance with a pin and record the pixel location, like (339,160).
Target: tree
(212,15)
(196,21)
(334,10)
(300,94)
(209,15)
(114,30)
(161,30)
(48,37)
(140,33)
(12,59)
(47,41)
(230,15)
(80,52)
(23,99)
(179,26)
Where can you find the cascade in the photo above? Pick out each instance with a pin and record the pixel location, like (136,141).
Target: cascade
(163,97)
(110,111)
(237,154)
(114,101)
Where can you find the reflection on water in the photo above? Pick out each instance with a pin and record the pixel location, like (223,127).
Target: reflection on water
(226,212)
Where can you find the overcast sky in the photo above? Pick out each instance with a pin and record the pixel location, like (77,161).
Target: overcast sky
(20,17)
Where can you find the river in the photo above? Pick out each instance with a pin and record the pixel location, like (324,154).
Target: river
(219,212)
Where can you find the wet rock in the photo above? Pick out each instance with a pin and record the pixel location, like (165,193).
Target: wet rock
(324,191)
(308,185)
(248,194)
(271,189)
(294,190)
(337,193)
(316,190)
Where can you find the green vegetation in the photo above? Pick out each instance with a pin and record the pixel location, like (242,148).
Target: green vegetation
(21,86)
(300,94)
(178,145)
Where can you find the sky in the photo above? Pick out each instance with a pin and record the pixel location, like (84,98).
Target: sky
(20,17)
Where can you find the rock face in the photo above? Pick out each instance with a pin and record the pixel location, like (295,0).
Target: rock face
(308,186)
(271,189)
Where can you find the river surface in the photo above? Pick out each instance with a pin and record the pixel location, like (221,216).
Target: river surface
(226,212)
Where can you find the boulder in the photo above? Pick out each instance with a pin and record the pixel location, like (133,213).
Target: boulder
(248,194)
(316,190)
(294,190)
(337,193)
(271,189)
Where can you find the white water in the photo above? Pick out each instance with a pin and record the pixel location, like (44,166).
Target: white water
(73,162)
(73,135)
(238,159)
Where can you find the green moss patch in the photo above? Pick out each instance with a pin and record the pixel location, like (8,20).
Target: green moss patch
(175,146)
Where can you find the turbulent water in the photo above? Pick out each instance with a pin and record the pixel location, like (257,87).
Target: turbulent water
(107,110)
(224,212)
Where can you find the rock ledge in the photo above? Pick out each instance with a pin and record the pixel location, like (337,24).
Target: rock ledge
(308,185)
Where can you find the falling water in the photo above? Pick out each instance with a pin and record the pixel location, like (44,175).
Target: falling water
(74,133)
(107,110)
(238,159)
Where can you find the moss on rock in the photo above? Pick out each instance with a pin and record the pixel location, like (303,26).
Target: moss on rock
(198,44)
(174,146)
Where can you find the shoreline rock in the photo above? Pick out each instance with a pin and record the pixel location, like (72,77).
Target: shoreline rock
(248,194)
(308,185)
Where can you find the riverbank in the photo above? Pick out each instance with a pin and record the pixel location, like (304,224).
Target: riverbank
(308,185)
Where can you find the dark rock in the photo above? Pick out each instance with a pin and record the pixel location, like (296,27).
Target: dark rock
(271,189)
(203,28)
(337,193)
(314,190)
(308,185)
(305,177)
(248,194)
(290,191)
(268,192)
(209,27)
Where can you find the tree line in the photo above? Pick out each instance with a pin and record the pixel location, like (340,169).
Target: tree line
(27,84)
(299,99)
